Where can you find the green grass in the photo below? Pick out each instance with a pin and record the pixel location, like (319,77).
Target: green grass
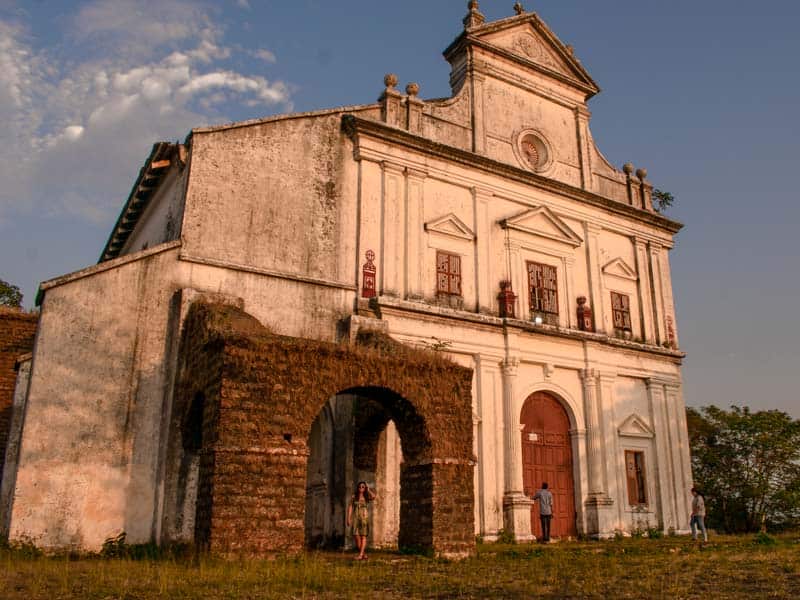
(727,567)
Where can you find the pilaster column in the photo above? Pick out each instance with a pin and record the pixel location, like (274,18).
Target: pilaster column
(669,302)
(599,515)
(483,262)
(390,275)
(679,438)
(608,430)
(516,506)
(582,115)
(654,252)
(664,471)
(519,279)
(478,125)
(593,267)
(593,434)
(415,247)
(569,278)
(644,291)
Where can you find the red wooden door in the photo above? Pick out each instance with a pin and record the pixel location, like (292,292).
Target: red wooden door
(547,456)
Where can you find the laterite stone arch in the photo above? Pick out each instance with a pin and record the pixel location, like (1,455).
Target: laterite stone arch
(261,395)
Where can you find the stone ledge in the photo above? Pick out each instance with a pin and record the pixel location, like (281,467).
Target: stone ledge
(479,319)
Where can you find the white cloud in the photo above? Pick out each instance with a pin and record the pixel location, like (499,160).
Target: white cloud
(245,4)
(75,133)
(265,55)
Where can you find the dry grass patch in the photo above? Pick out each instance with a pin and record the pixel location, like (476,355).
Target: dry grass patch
(728,567)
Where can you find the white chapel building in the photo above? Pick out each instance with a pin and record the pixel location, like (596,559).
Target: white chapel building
(486,226)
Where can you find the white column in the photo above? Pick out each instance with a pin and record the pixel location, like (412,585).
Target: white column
(484,280)
(570,302)
(478,125)
(599,506)
(654,251)
(593,433)
(659,416)
(679,438)
(516,506)
(390,276)
(592,232)
(675,396)
(414,234)
(582,115)
(608,432)
(669,303)
(645,291)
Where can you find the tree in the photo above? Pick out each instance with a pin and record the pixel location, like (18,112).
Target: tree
(748,466)
(10,295)
(662,200)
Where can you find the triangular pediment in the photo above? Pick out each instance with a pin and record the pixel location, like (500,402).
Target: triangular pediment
(636,426)
(542,222)
(452,226)
(619,268)
(529,44)
(527,40)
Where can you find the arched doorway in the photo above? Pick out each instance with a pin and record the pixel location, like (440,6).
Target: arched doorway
(547,456)
(352,439)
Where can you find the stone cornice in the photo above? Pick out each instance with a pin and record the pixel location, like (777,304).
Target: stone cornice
(388,305)
(354,127)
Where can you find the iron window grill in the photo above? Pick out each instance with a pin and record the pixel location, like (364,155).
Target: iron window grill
(621,312)
(543,289)
(448,274)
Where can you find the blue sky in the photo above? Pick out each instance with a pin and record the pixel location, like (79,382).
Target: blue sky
(705,95)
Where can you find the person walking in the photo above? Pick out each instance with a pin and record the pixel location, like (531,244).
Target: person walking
(545,498)
(698,517)
(358,516)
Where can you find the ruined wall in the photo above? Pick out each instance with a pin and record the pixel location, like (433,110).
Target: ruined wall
(253,470)
(17,331)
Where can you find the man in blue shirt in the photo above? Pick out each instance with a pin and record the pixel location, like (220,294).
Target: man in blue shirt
(545,499)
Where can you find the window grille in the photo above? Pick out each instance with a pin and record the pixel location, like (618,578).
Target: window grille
(448,274)
(543,288)
(621,311)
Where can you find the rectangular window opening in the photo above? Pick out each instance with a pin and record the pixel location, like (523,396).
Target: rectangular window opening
(543,290)
(635,474)
(448,274)
(621,312)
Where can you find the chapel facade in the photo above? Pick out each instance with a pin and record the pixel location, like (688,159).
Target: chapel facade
(485,228)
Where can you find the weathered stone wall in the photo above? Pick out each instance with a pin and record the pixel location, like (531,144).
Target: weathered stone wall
(254,451)
(287,188)
(88,457)
(17,331)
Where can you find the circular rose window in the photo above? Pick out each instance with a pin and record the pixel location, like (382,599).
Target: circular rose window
(533,151)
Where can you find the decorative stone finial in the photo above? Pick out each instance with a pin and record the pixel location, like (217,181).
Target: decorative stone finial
(627,168)
(570,49)
(641,174)
(474,17)
(518,8)
(412,89)
(390,80)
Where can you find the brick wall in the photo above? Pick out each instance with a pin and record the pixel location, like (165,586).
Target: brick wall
(252,480)
(17,330)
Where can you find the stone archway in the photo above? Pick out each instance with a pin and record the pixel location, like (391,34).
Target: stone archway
(262,394)
(547,456)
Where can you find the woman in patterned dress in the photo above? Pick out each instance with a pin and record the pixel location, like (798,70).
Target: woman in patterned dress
(358,516)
